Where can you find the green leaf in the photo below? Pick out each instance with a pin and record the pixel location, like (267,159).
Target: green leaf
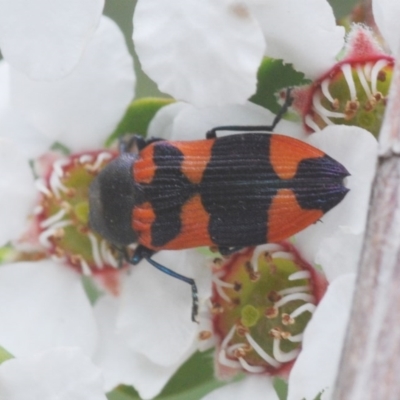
(281,388)
(137,117)
(273,75)
(192,381)
(60,148)
(91,289)
(123,393)
(5,355)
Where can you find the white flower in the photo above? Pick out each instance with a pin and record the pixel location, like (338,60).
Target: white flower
(316,367)
(44,305)
(62,373)
(208,53)
(80,111)
(386,14)
(142,337)
(45,39)
(153,313)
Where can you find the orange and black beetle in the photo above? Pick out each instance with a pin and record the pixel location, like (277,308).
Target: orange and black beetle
(229,192)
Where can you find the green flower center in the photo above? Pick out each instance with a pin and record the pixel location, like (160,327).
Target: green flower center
(263,299)
(63,213)
(352,93)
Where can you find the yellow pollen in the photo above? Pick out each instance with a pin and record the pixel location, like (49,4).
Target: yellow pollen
(275,332)
(59,252)
(285,335)
(287,319)
(217,309)
(370,104)
(58,234)
(351,109)
(335,104)
(240,352)
(205,335)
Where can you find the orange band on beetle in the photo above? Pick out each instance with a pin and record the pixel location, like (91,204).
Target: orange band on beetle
(196,158)
(286,217)
(143,217)
(194,231)
(144,167)
(286,153)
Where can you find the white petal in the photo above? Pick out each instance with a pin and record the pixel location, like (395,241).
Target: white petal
(4,85)
(386,13)
(43,305)
(305,35)
(186,122)
(206,53)
(62,373)
(156,308)
(161,126)
(30,142)
(45,38)
(339,254)
(122,365)
(252,387)
(17,190)
(316,367)
(82,109)
(356,149)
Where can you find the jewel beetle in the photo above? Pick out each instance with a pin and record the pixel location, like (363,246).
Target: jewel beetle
(230,192)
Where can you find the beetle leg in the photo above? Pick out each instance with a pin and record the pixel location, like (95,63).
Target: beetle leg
(143,253)
(131,144)
(212,134)
(122,255)
(190,281)
(140,253)
(135,143)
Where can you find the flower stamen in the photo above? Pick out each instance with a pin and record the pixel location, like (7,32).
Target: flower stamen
(293,297)
(280,355)
(348,76)
(299,275)
(260,351)
(99,160)
(53,219)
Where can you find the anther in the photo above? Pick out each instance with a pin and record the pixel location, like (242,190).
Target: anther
(271,312)
(205,335)
(287,319)
(218,262)
(216,309)
(274,296)
(241,330)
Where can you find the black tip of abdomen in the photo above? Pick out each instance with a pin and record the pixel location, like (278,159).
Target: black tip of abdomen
(319,183)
